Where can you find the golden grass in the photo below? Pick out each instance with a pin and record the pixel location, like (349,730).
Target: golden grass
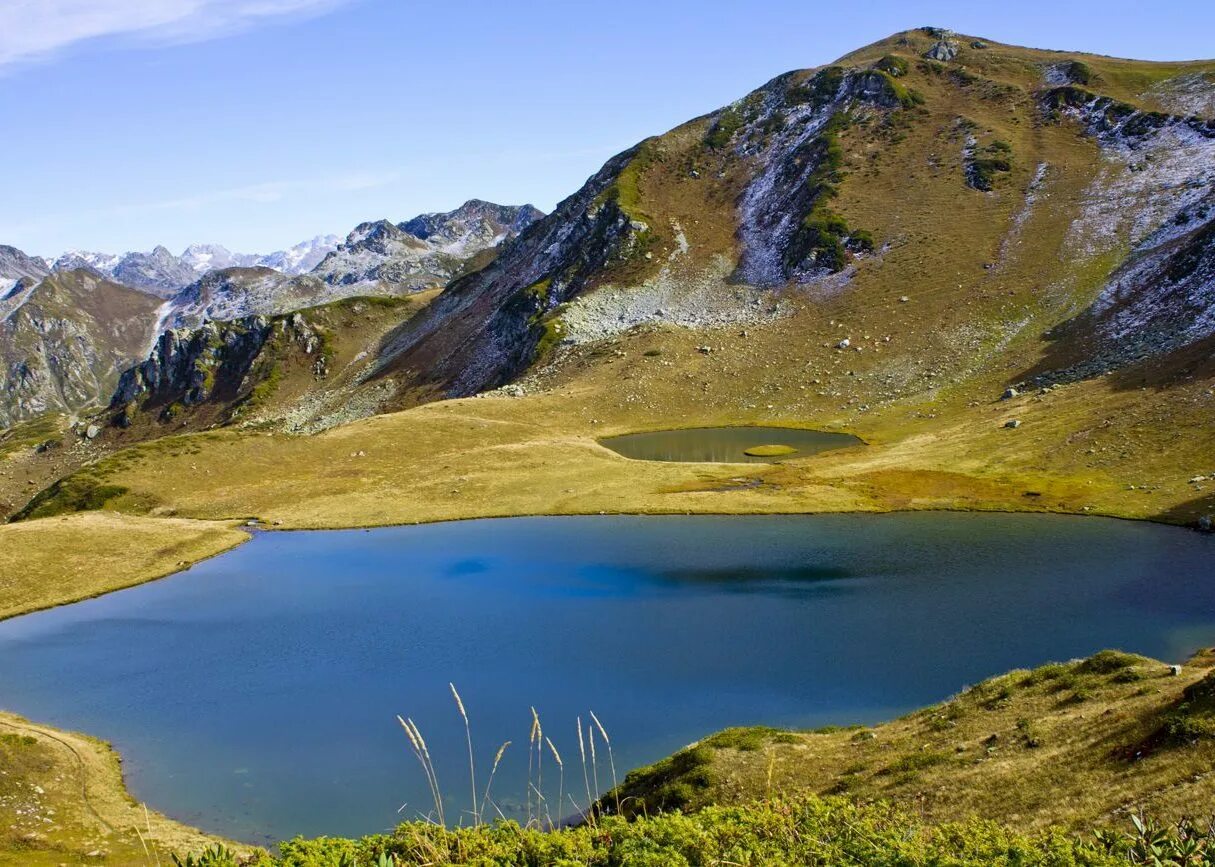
(62,800)
(64,559)
(1060,745)
(769,451)
(920,382)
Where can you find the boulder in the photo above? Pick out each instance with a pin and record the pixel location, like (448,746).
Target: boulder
(943,50)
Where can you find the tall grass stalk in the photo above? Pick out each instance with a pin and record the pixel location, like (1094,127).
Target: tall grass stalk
(419,748)
(611,760)
(539,730)
(585,778)
(472,772)
(531,743)
(493,770)
(147,820)
(594,762)
(561,779)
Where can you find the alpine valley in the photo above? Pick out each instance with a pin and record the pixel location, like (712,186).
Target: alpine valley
(994,266)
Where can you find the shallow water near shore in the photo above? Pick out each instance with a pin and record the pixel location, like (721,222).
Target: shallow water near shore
(255,694)
(725,444)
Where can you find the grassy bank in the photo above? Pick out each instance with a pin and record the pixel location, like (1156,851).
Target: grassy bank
(62,801)
(54,561)
(1050,766)
(1080,745)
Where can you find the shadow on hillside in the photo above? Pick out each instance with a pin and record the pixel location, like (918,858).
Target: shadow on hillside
(1189,512)
(1075,355)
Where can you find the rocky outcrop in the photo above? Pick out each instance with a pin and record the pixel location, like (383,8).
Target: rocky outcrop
(1156,188)
(16,265)
(63,345)
(786,228)
(222,362)
(486,327)
(424,252)
(946,46)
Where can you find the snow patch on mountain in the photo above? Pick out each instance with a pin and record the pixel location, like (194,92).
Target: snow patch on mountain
(425,251)
(161,273)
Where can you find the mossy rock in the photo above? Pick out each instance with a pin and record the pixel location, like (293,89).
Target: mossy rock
(769,451)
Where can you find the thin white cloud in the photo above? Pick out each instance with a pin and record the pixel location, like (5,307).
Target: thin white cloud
(33,30)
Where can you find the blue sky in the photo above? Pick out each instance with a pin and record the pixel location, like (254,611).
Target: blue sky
(258,123)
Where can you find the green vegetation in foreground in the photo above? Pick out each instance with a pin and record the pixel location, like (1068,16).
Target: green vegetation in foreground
(770,451)
(801,831)
(1066,744)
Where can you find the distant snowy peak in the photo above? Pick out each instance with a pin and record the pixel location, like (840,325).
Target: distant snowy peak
(425,251)
(300,259)
(101,262)
(212,257)
(475,224)
(163,274)
(377,258)
(303,257)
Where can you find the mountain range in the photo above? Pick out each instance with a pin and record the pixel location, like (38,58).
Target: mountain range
(64,356)
(163,274)
(993,266)
(889,241)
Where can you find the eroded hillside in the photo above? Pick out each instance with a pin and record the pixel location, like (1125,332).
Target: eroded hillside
(989,262)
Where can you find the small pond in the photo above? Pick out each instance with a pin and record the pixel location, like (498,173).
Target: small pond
(726,444)
(255,694)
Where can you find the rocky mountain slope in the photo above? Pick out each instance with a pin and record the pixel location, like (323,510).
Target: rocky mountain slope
(885,245)
(161,273)
(65,340)
(426,251)
(377,259)
(925,155)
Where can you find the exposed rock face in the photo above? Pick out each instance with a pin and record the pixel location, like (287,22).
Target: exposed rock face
(19,274)
(15,264)
(485,327)
(795,173)
(234,293)
(424,252)
(1157,187)
(489,326)
(219,360)
(474,226)
(945,48)
(64,341)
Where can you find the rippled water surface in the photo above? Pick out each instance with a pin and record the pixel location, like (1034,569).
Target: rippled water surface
(255,694)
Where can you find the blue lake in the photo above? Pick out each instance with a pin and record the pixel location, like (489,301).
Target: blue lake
(255,694)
